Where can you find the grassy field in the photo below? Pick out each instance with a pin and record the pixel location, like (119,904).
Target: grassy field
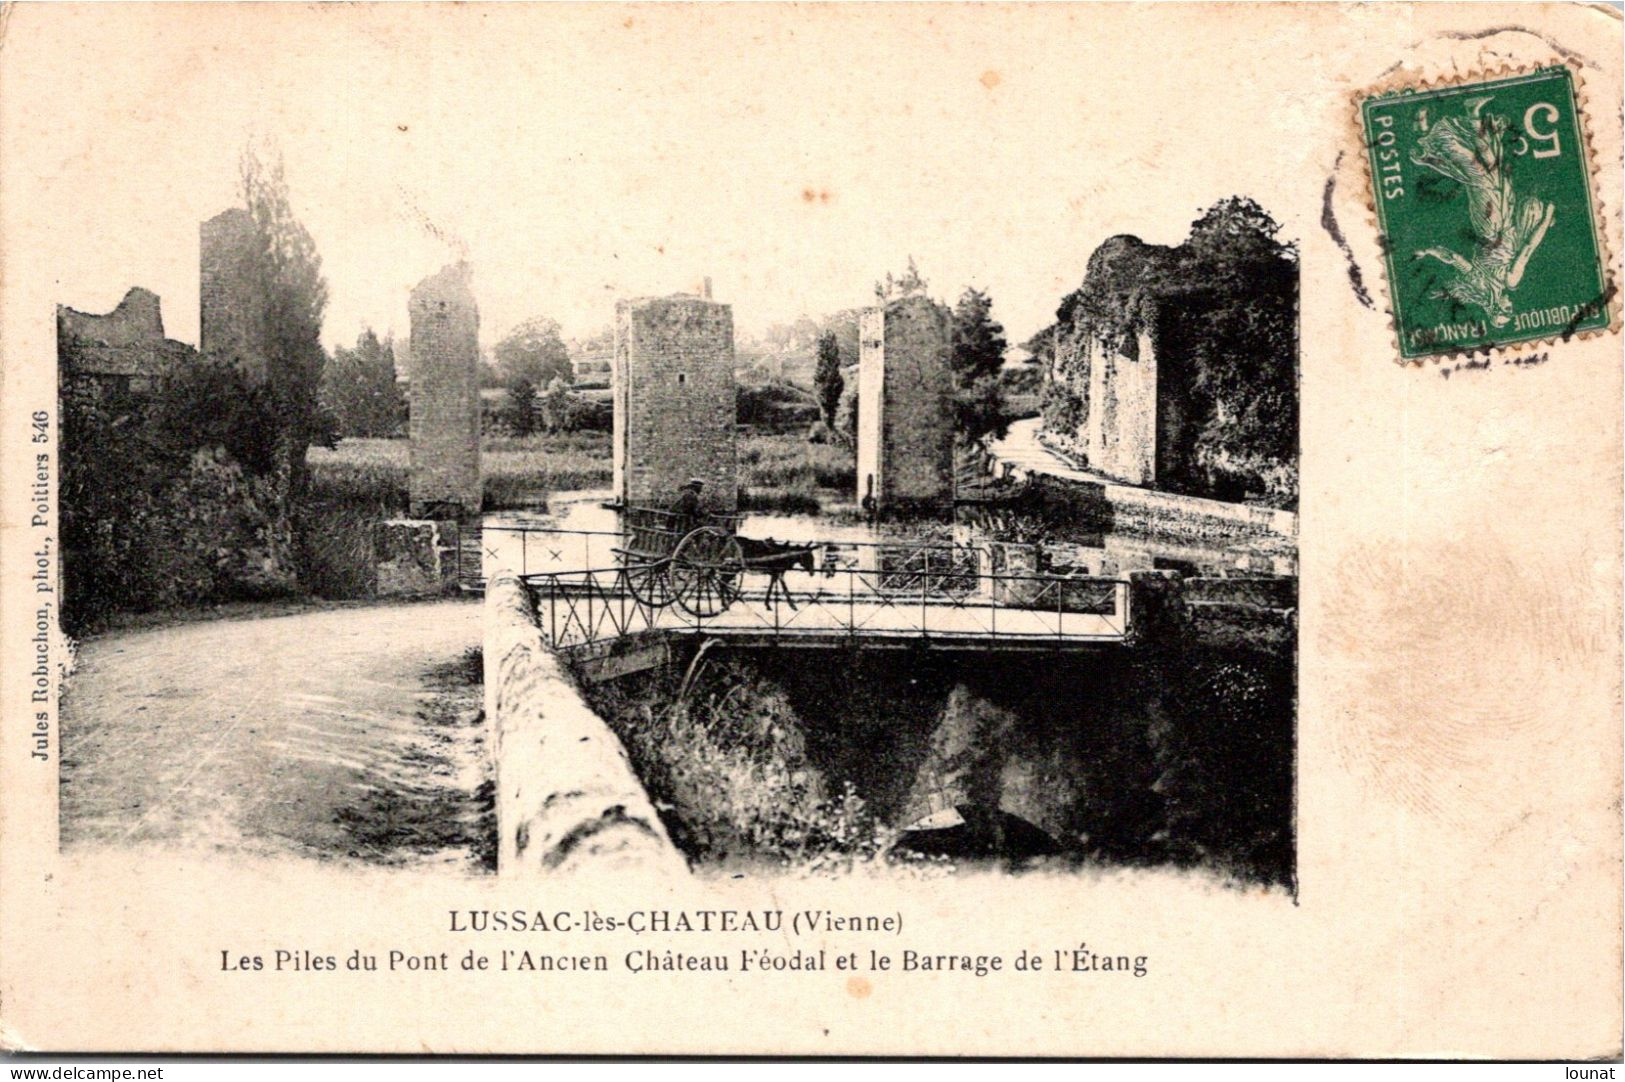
(774,470)
(786,473)
(362,481)
(517,471)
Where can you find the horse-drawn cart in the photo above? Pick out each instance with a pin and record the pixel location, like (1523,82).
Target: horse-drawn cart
(697,562)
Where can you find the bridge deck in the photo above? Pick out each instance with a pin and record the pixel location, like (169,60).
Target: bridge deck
(586,608)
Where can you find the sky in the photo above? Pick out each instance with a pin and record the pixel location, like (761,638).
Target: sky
(574,155)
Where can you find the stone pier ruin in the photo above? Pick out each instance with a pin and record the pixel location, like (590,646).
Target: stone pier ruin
(1142,411)
(445,397)
(228,292)
(673,386)
(905,405)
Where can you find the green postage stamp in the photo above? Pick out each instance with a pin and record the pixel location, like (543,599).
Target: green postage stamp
(1483,199)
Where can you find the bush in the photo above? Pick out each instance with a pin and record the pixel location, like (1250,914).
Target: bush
(1223,748)
(846,417)
(519,413)
(201,403)
(1022,379)
(360,392)
(836,472)
(729,768)
(775,406)
(195,536)
(563,410)
(1062,409)
(169,499)
(977,359)
(557,410)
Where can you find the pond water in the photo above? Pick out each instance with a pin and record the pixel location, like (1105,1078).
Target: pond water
(1110,554)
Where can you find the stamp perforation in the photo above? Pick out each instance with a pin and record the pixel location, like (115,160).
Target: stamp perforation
(1411,84)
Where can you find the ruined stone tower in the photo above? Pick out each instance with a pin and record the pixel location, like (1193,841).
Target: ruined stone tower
(1120,432)
(905,404)
(673,386)
(226,290)
(445,396)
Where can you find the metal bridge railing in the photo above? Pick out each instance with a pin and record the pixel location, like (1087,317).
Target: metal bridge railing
(581,608)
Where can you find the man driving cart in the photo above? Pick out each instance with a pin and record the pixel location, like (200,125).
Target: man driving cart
(687,505)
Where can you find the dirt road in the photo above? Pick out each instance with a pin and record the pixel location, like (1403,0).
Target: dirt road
(349,734)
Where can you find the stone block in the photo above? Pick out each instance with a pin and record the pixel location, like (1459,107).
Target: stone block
(407,553)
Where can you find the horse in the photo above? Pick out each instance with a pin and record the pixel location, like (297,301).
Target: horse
(775,559)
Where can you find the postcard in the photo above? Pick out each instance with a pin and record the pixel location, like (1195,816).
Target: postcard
(811,529)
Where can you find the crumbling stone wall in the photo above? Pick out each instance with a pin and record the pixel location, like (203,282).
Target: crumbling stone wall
(227,290)
(1125,394)
(673,380)
(408,558)
(125,347)
(905,403)
(445,396)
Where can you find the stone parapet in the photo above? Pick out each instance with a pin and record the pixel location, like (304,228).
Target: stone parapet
(567,797)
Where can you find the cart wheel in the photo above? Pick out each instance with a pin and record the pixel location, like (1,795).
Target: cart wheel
(650,582)
(705,571)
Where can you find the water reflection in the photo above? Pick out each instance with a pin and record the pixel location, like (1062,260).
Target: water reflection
(1076,550)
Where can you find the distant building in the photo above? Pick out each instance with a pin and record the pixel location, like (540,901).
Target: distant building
(592,368)
(675,400)
(123,350)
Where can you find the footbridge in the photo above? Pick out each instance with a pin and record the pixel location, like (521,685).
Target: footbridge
(594,606)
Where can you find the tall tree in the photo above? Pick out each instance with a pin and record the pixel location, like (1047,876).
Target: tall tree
(827,379)
(1246,358)
(906,286)
(978,355)
(521,407)
(359,388)
(534,351)
(290,298)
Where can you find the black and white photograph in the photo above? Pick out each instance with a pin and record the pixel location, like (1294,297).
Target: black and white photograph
(995,602)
